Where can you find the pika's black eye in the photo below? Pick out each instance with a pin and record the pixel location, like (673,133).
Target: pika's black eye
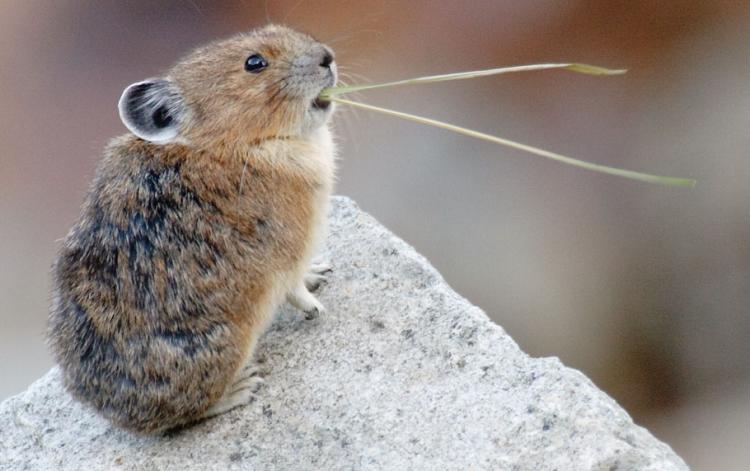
(255,63)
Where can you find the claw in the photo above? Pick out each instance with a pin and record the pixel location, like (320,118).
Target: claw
(320,268)
(243,391)
(315,311)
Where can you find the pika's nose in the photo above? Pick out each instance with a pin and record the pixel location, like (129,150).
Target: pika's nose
(327,59)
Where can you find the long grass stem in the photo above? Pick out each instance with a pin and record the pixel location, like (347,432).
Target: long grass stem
(644,177)
(573,67)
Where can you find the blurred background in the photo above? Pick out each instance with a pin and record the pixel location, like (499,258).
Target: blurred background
(646,289)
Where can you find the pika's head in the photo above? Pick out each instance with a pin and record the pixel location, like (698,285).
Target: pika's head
(253,86)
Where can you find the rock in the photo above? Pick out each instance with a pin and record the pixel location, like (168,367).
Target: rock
(401,373)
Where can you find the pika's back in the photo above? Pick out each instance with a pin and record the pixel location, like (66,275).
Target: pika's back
(140,292)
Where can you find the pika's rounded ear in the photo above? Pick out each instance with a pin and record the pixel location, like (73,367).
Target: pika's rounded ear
(152,110)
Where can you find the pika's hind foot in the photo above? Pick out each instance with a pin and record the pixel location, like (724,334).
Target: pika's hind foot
(316,276)
(243,391)
(249,375)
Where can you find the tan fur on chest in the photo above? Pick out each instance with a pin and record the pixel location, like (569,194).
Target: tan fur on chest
(275,193)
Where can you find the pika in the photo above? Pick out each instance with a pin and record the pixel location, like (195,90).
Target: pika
(198,225)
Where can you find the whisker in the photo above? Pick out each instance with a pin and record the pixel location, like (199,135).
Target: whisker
(268,14)
(196,7)
(350,34)
(284,61)
(288,13)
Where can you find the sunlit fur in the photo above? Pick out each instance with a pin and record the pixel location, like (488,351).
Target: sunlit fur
(183,251)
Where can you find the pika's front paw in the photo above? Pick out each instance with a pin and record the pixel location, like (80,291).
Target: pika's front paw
(303,300)
(313,281)
(320,268)
(316,276)
(314,310)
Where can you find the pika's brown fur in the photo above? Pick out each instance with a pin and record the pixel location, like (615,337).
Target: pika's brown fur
(189,240)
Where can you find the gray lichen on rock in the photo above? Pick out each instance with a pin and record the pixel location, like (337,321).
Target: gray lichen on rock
(401,373)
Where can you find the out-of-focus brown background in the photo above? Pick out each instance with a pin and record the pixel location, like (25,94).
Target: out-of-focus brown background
(644,288)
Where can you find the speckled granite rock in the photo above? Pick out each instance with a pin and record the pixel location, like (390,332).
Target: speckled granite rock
(401,373)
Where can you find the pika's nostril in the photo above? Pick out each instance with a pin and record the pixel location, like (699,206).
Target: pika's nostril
(327,59)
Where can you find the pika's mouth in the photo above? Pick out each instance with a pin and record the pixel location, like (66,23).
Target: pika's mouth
(321,104)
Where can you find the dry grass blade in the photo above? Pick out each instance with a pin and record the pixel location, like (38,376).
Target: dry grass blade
(579,68)
(644,177)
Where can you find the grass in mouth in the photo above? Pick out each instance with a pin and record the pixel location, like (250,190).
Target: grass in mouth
(332,93)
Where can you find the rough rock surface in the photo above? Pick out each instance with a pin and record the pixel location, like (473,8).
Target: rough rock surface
(401,373)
